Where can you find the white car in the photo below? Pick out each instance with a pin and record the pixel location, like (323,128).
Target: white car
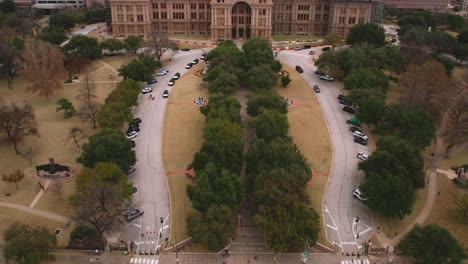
(147,90)
(171,82)
(362,156)
(163,72)
(131,169)
(132,135)
(359,134)
(326,78)
(165,94)
(312,52)
(298,48)
(358,194)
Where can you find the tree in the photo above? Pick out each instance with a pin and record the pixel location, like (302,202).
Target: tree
(463,36)
(332,39)
(457,8)
(222,107)
(89,107)
(285,80)
(7,6)
(14,177)
(261,77)
(160,44)
(53,34)
(363,78)
(73,63)
(432,244)
(16,122)
(43,65)
(102,196)
(10,52)
(461,203)
(213,229)
(225,83)
(112,45)
(461,52)
(370,33)
(388,194)
(371,110)
(66,106)
(456,131)
(140,69)
(27,245)
(76,134)
(86,47)
(215,187)
(127,93)
(113,115)
(455,22)
(262,99)
(270,124)
(64,21)
(108,145)
(132,43)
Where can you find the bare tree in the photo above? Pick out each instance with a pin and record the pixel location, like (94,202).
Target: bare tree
(160,44)
(17,122)
(10,51)
(73,63)
(14,177)
(43,64)
(89,107)
(77,134)
(456,131)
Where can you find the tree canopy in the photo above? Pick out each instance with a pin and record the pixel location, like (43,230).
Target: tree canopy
(112,45)
(261,77)
(270,124)
(370,33)
(363,78)
(222,107)
(53,34)
(140,69)
(86,47)
(132,43)
(263,99)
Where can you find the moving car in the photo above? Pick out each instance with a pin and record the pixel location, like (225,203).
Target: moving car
(136,121)
(171,82)
(185,49)
(189,65)
(359,134)
(348,109)
(146,90)
(306,47)
(195,62)
(165,94)
(353,129)
(176,76)
(326,78)
(312,52)
(360,140)
(362,156)
(316,88)
(163,72)
(152,81)
(358,195)
(299,69)
(132,135)
(133,214)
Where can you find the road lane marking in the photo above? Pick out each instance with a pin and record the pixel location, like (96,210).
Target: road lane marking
(332,227)
(348,243)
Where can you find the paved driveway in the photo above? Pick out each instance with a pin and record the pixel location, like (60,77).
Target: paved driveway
(153,195)
(340,209)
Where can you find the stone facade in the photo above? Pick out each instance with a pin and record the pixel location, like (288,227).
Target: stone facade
(417,4)
(232,19)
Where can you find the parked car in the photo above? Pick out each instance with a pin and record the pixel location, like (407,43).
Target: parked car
(132,168)
(132,143)
(165,94)
(163,72)
(326,78)
(133,214)
(299,69)
(298,48)
(189,65)
(316,88)
(185,49)
(341,97)
(171,82)
(136,121)
(203,56)
(319,72)
(360,134)
(152,81)
(133,189)
(354,121)
(353,129)
(132,135)
(345,101)
(360,140)
(146,90)
(133,128)
(348,109)
(176,76)
(195,62)
(312,52)
(326,48)
(358,195)
(306,47)
(362,156)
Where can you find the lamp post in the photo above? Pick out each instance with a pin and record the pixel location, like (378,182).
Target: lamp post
(176,251)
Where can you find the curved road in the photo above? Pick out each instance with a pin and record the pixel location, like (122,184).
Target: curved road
(152,196)
(340,208)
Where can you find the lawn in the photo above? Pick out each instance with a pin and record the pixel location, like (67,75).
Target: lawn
(306,115)
(182,138)
(294,38)
(51,143)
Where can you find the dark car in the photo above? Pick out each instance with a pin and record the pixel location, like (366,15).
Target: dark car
(353,129)
(195,61)
(152,81)
(341,97)
(326,48)
(360,140)
(299,69)
(319,72)
(185,49)
(136,121)
(176,76)
(345,101)
(133,214)
(306,46)
(316,88)
(133,128)
(348,109)
(133,189)
(189,65)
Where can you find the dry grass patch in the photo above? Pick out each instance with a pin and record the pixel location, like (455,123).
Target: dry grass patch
(443,212)
(9,216)
(182,138)
(118,60)
(309,131)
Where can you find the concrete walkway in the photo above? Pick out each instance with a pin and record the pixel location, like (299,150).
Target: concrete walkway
(37,212)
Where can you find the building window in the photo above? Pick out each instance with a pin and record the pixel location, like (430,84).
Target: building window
(317,16)
(325,17)
(164,15)
(220,12)
(193,15)
(178,15)
(129,18)
(361,20)
(201,6)
(318,8)
(139,8)
(155,6)
(341,20)
(220,21)
(352,20)
(261,12)
(119,8)
(139,18)
(193,6)
(201,15)
(155,15)
(129,8)
(120,17)
(163,6)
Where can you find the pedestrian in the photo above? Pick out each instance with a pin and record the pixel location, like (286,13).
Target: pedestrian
(150,96)
(43,188)
(40,186)
(110,248)
(154,97)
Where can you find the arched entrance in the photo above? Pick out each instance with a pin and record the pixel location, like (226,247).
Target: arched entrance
(241,20)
